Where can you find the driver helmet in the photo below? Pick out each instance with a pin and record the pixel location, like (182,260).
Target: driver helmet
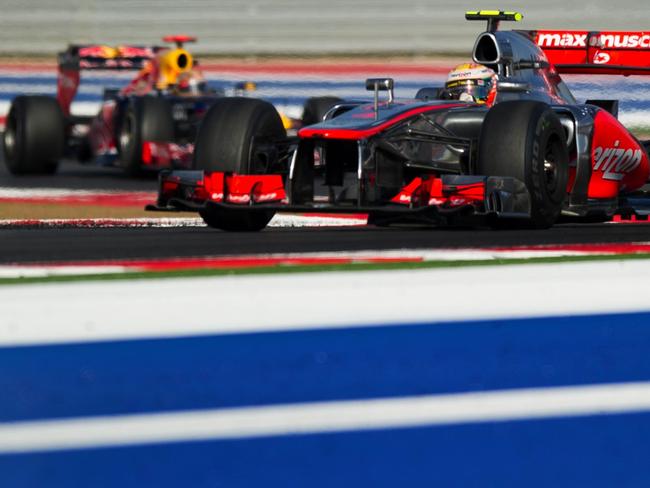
(471,82)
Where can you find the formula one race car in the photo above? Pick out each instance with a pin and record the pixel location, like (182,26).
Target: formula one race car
(531,157)
(149,124)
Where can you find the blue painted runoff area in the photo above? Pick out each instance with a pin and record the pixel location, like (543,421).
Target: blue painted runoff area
(603,451)
(208,372)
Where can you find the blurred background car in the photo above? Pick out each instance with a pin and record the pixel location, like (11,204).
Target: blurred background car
(148,124)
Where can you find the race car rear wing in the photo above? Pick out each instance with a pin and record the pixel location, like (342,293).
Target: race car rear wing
(591,52)
(79,58)
(97,56)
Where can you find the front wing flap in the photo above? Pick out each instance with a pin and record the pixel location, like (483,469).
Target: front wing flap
(426,200)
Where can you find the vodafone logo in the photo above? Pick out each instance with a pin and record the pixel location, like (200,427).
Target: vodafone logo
(601,58)
(615,162)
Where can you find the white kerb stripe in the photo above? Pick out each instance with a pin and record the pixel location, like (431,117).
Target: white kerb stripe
(271,303)
(310,418)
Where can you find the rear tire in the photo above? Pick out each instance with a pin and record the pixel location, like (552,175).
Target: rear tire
(34,135)
(145,119)
(315,109)
(231,139)
(525,140)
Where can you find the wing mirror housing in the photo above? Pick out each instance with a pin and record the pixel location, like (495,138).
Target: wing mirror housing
(508,85)
(380,84)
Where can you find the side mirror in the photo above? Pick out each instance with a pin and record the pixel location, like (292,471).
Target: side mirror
(383,84)
(531,64)
(507,85)
(380,84)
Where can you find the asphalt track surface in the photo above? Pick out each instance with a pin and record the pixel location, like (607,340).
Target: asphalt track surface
(73,175)
(21,245)
(56,245)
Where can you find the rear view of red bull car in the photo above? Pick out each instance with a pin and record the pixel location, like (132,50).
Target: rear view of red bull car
(529,157)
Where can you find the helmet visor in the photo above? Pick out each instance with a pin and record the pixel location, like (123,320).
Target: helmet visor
(478,89)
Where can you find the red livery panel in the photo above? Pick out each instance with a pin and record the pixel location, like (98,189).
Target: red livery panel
(619,161)
(605,52)
(431,191)
(241,189)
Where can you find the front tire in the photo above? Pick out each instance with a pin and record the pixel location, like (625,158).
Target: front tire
(525,140)
(34,135)
(236,135)
(145,119)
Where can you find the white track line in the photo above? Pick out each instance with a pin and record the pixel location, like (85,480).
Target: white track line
(279,220)
(66,270)
(286,220)
(99,311)
(340,416)
(106,222)
(27,193)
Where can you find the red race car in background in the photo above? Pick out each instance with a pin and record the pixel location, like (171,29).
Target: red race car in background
(149,124)
(533,157)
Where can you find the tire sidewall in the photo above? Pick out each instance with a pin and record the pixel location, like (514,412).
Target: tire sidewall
(225,138)
(514,141)
(148,118)
(129,123)
(547,131)
(265,126)
(38,129)
(225,142)
(14,129)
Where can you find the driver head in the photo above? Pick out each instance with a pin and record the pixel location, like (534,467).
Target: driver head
(471,82)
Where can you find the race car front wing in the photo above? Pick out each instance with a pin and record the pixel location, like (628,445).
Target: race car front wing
(427,199)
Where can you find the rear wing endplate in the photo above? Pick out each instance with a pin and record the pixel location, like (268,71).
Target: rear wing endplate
(595,52)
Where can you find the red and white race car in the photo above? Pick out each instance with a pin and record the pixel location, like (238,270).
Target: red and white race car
(534,156)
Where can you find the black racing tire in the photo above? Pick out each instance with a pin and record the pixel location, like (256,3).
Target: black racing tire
(315,109)
(232,138)
(524,139)
(146,118)
(85,152)
(34,136)
(235,220)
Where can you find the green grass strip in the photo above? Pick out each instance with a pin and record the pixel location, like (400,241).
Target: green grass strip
(286,269)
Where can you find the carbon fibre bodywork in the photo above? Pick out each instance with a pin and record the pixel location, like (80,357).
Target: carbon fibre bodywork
(419,161)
